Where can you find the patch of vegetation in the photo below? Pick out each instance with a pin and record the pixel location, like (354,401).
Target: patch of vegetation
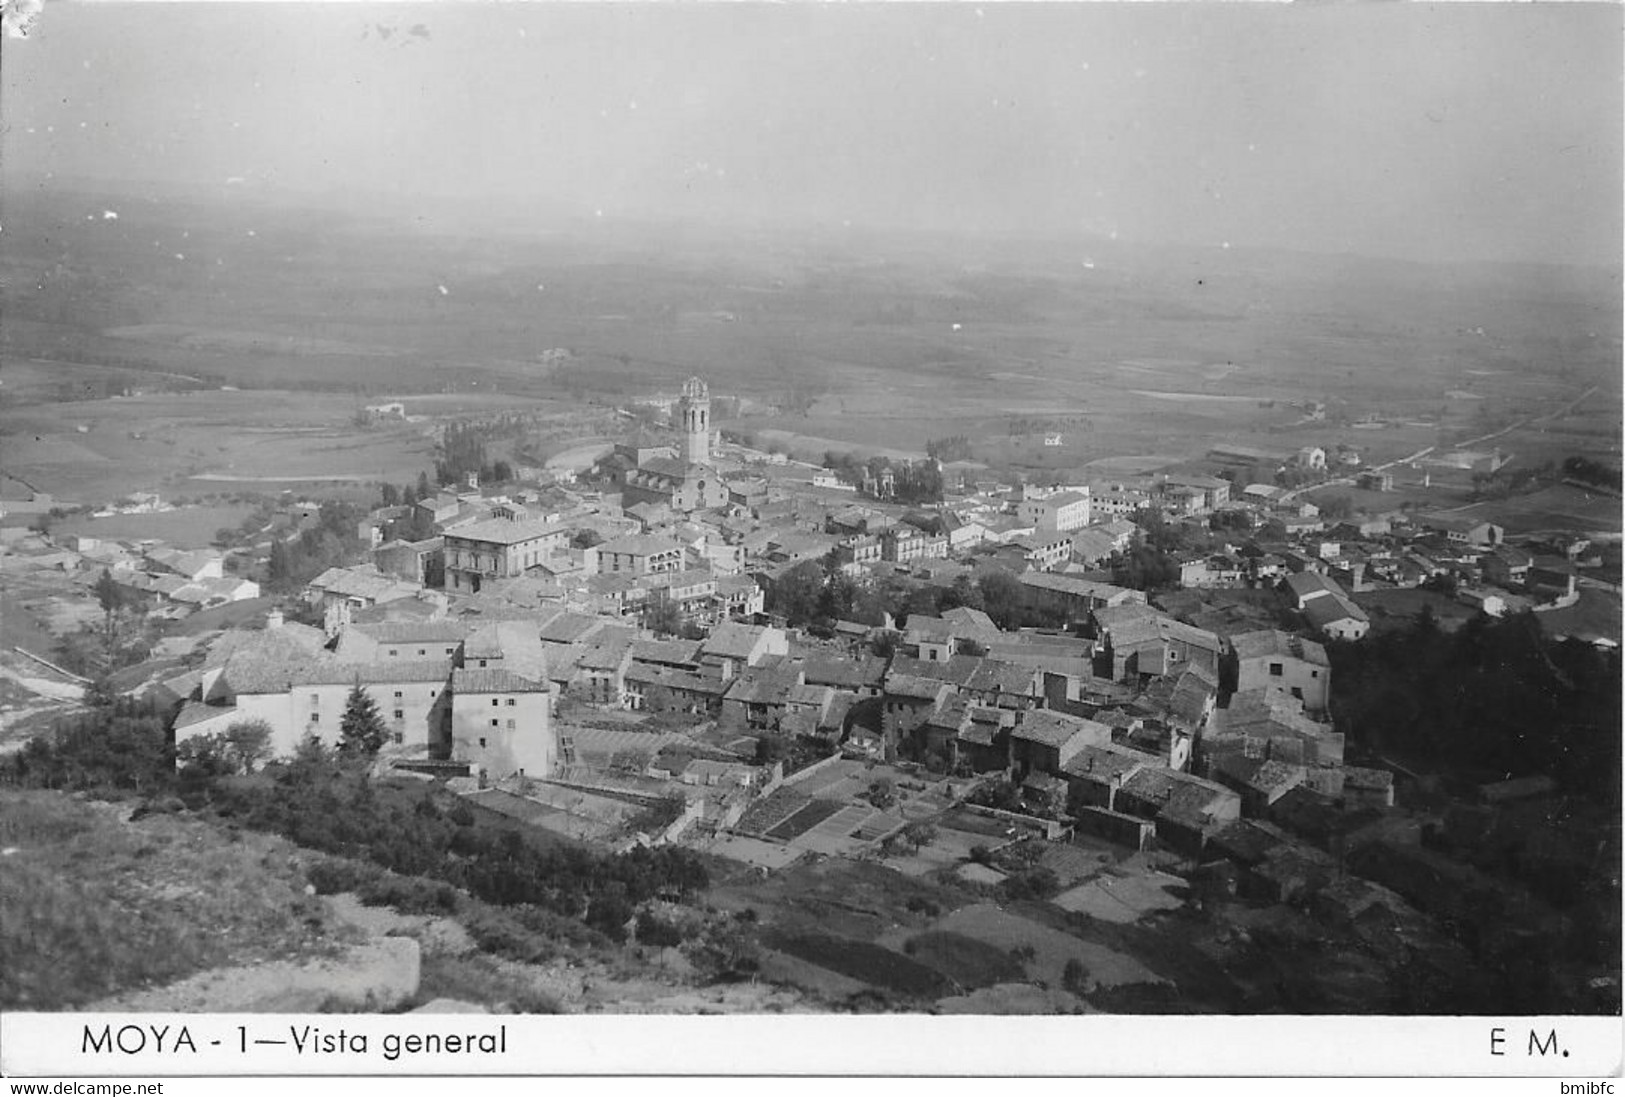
(91,906)
(1494,696)
(864,961)
(480,979)
(968,962)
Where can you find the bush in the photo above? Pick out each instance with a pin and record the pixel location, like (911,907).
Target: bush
(331,876)
(1034,883)
(656,931)
(410,895)
(498,933)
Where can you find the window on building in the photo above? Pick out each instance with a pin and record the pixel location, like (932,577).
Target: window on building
(315,717)
(482,662)
(315,698)
(482,742)
(450,650)
(399,738)
(397,695)
(423,651)
(512,702)
(394,651)
(495,723)
(400,714)
(1276,670)
(1298,693)
(1314,674)
(495,702)
(510,725)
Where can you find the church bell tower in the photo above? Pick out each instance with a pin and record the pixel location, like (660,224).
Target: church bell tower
(696,411)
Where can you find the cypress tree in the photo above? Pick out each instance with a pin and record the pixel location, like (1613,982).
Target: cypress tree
(362,730)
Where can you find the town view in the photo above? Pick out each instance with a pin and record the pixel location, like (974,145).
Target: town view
(888,509)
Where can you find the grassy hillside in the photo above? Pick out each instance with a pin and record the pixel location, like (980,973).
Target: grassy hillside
(93,902)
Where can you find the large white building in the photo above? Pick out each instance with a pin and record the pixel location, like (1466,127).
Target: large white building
(1059,512)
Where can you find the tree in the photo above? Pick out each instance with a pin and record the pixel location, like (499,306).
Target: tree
(247,744)
(1335,508)
(586,538)
(663,617)
(1002,597)
(112,598)
(362,729)
(279,571)
(1073,976)
(920,834)
(390,495)
(771,748)
(424,490)
(882,794)
(796,593)
(963,592)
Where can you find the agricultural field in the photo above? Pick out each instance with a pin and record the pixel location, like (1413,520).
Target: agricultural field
(190,527)
(865,343)
(1556,508)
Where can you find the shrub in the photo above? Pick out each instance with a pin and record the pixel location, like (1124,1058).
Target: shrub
(333,875)
(653,930)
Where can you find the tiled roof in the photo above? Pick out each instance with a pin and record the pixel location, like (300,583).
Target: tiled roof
(639,544)
(1273,642)
(1066,584)
(1104,763)
(569,627)
(846,672)
(502,531)
(763,685)
(249,674)
(1056,729)
(733,640)
(927,629)
(493,680)
(957,671)
(908,685)
(671,652)
(653,674)
(444,630)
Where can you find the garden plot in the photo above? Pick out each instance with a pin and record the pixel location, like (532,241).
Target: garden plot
(1073,863)
(775,808)
(877,826)
(753,851)
(805,819)
(948,849)
(1051,949)
(1122,899)
(840,780)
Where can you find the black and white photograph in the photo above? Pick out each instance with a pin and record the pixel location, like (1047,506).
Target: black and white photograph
(973,530)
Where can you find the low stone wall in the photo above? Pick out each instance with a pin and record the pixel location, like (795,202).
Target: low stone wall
(1052,829)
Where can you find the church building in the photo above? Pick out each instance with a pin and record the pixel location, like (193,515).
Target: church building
(685,483)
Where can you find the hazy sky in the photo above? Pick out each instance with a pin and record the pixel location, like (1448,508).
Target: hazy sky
(1451,131)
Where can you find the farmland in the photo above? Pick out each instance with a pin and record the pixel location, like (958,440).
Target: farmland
(117,363)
